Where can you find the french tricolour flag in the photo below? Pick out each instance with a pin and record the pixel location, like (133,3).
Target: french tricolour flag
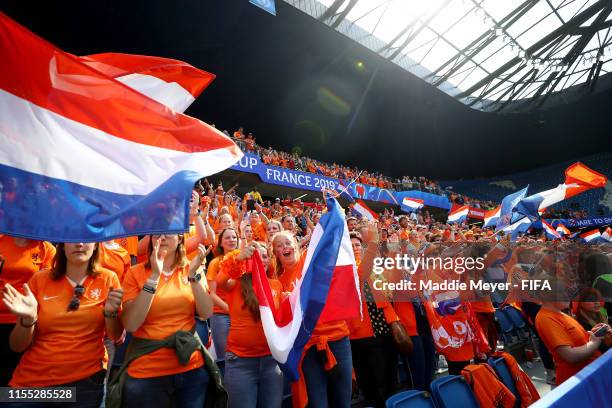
(458,213)
(550,232)
(562,229)
(362,209)
(87,157)
(491,217)
(328,290)
(590,236)
(578,178)
(412,204)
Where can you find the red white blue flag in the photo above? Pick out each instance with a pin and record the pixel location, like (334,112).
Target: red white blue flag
(87,158)
(364,211)
(458,213)
(412,204)
(550,232)
(592,236)
(327,290)
(491,217)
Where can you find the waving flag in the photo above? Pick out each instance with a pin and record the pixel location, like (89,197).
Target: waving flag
(88,158)
(362,209)
(458,213)
(607,234)
(562,229)
(491,217)
(412,204)
(173,83)
(506,208)
(592,236)
(328,290)
(550,232)
(578,178)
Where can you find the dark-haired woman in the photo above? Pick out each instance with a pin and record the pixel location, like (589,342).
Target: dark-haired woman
(162,297)
(220,321)
(252,377)
(69,307)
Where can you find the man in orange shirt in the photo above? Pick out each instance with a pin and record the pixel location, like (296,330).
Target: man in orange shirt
(20,260)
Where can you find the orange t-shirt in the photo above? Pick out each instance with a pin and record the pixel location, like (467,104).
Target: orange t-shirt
(558,329)
(172,309)
(67,346)
(211,275)
(130,244)
(20,263)
(246,337)
(406,314)
(114,257)
(334,330)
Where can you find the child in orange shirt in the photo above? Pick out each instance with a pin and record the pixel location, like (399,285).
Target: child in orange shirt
(62,320)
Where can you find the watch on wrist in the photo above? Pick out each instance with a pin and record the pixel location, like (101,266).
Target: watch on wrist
(110,315)
(195,278)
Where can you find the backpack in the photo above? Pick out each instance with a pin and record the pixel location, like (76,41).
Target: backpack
(489,391)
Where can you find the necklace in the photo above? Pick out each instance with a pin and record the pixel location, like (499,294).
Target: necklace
(167,275)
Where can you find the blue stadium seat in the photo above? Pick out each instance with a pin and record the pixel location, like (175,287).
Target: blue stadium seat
(505,324)
(411,399)
(453,391)
(502,371)
(515,317)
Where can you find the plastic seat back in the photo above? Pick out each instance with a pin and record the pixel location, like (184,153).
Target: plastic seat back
(504,321)
(504,375)
(515,317)
(453,391)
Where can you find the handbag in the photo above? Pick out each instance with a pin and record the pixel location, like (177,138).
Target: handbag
(400,337)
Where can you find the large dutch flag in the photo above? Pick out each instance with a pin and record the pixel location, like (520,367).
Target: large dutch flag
(412,204)
(458,213)
(491,217)
(578,178)
(327,290)
(88,158)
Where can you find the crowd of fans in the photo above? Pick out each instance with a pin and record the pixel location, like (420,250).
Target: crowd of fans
(68,307)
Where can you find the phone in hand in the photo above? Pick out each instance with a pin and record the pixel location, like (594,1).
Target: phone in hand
(601,331)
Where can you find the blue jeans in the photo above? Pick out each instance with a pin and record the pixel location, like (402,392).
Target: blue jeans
(329,388)
(421,362)
(89,393)
(184,390)
(253,382)
(219,327)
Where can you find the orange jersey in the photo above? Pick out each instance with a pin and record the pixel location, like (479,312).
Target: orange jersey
(114,258)
(246,337)
(558,329)
(406,314)
(20,263)
(172,309)
(211,275)
(130,244)
(68,345)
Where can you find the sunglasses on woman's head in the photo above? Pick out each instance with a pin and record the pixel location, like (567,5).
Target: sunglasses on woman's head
(76,298)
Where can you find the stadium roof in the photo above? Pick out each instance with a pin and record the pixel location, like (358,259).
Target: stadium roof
(492,55)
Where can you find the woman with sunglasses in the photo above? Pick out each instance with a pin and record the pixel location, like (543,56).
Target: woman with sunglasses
(66,309)
(162,297)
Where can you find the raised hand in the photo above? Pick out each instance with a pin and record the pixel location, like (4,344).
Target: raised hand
(199,259)
(246,252)
(157,258)
(113,301)
(24,306)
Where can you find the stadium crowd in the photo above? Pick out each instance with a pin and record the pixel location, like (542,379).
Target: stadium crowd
(70,310)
